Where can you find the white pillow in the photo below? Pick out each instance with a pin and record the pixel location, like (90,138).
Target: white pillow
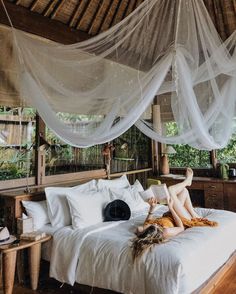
(138,186)
(131,196)
(121,182)
(87,208)
(38,211)
(139,203)
(58,208)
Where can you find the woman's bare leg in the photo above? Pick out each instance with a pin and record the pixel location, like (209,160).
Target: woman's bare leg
(184,196)
(179,208)
(176,190)
(185,183)
(185,200)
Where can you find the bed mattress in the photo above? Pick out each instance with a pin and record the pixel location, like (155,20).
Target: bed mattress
(101,256)
(47,246)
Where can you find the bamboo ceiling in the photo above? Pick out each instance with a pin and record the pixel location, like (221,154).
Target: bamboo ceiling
(90,16)
(95,16)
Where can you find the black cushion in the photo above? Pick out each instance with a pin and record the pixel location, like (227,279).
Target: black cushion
(117,210)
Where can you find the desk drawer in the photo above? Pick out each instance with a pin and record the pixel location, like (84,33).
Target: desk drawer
(214,199)
(213,186)
(230,196)
(196,186)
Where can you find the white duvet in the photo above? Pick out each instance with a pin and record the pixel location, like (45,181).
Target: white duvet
(100,256)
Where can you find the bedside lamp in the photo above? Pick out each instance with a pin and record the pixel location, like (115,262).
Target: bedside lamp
(165,169)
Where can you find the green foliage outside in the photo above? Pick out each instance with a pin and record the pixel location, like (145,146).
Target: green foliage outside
(16,161)
(24,111)
(188,156)
(228,154)
(132,151)
(63,158)
(15,164)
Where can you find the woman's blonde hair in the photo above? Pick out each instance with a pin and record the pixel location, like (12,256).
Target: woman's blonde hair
(151,235)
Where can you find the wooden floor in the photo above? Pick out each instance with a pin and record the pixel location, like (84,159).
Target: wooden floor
(228,285)
(50,286)
(47,285)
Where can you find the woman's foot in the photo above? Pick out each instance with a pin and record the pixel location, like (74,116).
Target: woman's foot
(189,176)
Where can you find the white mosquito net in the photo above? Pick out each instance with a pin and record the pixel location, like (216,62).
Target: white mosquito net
(166,52)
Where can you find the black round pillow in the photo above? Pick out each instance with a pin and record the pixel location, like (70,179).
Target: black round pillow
(117,210)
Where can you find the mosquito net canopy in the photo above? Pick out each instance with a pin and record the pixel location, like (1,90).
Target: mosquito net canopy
(166,53)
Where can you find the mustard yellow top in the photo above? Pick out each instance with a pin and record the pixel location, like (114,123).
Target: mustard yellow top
(167,221)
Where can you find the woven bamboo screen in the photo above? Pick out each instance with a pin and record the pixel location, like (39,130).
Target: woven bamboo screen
(223,14)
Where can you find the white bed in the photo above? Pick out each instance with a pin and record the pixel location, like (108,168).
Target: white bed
(100,256)
(47,246)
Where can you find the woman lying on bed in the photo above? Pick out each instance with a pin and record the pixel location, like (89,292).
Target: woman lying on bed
(180,216)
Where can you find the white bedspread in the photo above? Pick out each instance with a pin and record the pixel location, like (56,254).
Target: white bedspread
(101,256)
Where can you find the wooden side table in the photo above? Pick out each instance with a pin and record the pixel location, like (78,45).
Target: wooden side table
(9,253)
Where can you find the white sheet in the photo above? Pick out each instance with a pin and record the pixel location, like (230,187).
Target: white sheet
(101,256)
(47,246)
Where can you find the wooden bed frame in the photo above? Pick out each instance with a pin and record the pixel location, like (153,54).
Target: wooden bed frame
(207,286)
(210,285)
(12,199)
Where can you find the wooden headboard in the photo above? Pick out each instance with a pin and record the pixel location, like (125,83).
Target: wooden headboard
(12,199)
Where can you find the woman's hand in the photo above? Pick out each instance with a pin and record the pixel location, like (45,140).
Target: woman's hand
(152,202)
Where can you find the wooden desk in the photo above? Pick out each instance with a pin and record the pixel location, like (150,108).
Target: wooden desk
(216,193)
(12,207)
(9,253)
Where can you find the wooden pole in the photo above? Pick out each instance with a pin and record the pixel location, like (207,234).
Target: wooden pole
(40,153)
(156,118)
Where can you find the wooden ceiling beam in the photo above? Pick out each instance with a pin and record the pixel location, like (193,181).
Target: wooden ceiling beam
(33,4)
(56,8)
(74,14)
(90,15)
(125,10)
(110,15)
(82,13)
(49,7)
(131,7)
(31,22)
(95,19)
(115,13)
(138,2)
(104,17)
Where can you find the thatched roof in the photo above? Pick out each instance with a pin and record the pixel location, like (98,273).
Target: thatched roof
(88,16)
(94,16)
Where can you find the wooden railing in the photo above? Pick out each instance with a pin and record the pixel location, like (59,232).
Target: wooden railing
(140,175)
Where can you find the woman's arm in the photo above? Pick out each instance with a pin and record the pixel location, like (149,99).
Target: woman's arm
(152,202)
(170,232)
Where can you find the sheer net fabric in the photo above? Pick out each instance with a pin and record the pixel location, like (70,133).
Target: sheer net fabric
(164,47)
